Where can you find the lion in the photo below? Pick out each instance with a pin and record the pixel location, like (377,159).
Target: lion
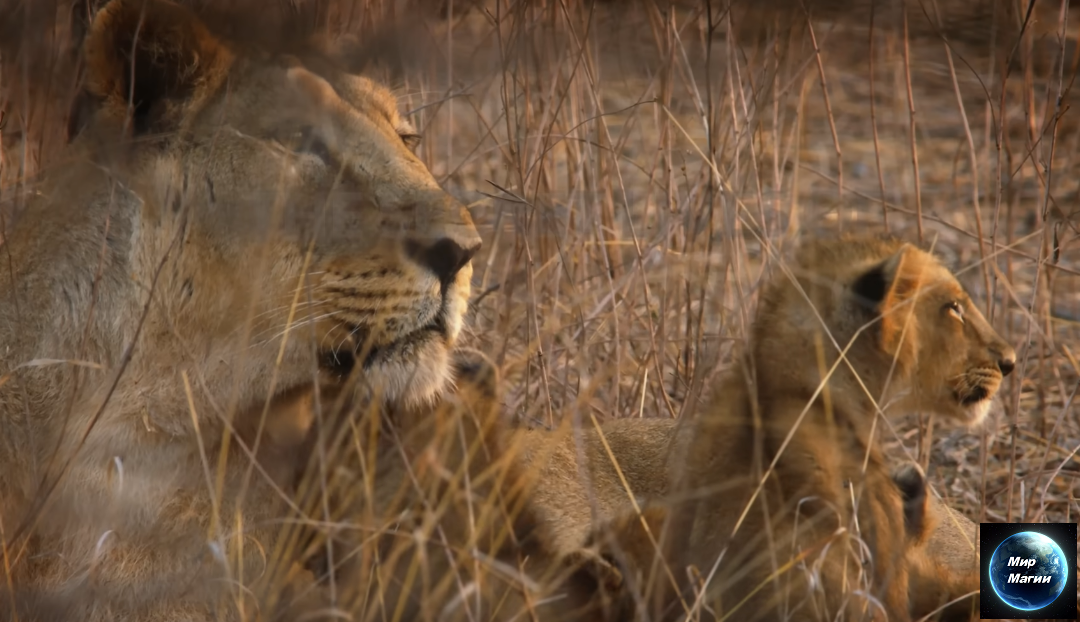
(578,487)
(590,509)
(227,224)
(822,536)
(430,516)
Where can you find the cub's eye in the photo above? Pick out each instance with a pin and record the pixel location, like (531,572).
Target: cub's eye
(411,140)
(955,309)
(307,140)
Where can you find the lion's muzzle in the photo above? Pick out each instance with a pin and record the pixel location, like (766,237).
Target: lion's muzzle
(446,257)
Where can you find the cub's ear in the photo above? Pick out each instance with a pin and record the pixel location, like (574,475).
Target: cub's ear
(886,283)
(882,288)
(474,369)
(590,566)
(912,484)
(147,61)
(628,549)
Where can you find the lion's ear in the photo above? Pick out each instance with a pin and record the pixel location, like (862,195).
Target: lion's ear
(148,60)
(911,482)
(883,288)
(588,565)
(884,284)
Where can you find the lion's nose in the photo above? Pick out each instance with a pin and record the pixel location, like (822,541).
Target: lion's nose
(1006,365)
(1006,360)
(445,257)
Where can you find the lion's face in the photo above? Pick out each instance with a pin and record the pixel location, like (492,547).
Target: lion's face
(965,359)
(388,276)
(912,336)
(302,184)
(955,360)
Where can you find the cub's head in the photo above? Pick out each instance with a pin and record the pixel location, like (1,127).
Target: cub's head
(918,338)
(303,212)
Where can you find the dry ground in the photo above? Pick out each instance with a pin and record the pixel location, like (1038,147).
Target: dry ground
(634,168)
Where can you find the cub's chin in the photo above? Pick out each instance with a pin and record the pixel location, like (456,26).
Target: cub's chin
(975,413)
(970,410)
(974,405)
(967,412)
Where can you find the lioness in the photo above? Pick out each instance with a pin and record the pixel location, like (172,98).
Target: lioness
(797,417)
(226,223)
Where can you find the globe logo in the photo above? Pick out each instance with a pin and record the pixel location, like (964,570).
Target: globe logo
(1028,571)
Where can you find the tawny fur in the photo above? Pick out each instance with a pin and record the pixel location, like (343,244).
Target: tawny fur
(427,515)
(942,562)
(946,568)
(590,509)
(578,486)
(923,345)
(273,209)
(629,545)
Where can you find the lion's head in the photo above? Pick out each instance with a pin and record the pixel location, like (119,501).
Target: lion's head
(227,222)
(916,337)
(302,206)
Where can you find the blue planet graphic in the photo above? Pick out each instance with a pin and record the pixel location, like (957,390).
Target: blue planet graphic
(1028,571)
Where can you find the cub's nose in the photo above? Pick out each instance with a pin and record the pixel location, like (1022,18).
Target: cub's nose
(1006,360)
(445,257)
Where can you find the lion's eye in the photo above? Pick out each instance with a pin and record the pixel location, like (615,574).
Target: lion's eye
(411,140)
(955,309)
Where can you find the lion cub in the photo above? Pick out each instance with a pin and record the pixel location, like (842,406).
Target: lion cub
(421,513)
(942,563)
(783,501)
(578,485)
(582,497)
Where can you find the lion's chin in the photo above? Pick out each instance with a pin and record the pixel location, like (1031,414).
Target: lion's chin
(974,404)
(410,371)
(975,412)
(969,410)
(414,377)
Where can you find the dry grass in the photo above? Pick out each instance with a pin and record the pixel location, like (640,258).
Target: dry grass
(633,176)
(634,169)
